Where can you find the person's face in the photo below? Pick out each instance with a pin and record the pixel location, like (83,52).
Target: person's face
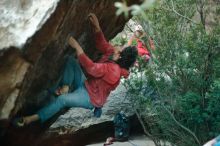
(117,53)
(137,34)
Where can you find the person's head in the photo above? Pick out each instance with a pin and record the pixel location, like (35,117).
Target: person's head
(138,33)
(117,53)
(127,57)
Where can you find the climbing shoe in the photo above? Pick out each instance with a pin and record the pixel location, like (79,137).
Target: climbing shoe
(19,122)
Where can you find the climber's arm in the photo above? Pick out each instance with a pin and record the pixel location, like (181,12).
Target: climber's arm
(100,41)
(73,43)
(95,22)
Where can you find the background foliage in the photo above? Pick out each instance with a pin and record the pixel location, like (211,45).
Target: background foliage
(177,94)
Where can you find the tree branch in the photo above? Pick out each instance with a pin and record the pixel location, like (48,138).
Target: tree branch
(173,9)
(183,127)
(200,10)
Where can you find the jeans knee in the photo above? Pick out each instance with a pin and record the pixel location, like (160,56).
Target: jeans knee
(61,100)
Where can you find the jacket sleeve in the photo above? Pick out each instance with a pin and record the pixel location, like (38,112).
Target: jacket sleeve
(93,69)
(142,49)
(101,43)
(140,44)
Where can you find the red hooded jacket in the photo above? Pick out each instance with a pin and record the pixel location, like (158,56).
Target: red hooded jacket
(142,49)
(105,74)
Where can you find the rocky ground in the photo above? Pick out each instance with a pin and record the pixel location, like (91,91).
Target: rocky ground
(78,118)
(77,126)
(136,140)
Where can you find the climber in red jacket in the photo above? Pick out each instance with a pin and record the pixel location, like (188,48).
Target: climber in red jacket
(143,51)
(104,77)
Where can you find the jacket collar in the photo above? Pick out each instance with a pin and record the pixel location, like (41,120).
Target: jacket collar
(124,73)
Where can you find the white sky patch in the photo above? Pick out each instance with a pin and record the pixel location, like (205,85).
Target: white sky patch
(20,19)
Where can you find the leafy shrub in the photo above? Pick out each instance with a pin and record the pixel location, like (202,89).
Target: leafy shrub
(184,77)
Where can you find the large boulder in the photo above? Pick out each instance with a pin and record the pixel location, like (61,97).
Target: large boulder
(32,65)
(26,71)
(78,118)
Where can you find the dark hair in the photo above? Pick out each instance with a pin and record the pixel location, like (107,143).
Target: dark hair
(128,57)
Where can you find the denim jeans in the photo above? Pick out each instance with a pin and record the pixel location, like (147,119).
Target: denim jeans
(73,77)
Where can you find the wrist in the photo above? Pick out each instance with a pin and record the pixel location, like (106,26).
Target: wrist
(97,29)
(79,51)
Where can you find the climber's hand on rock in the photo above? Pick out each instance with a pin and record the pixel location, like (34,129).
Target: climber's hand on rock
(93,19)
(74,44)
(95,22)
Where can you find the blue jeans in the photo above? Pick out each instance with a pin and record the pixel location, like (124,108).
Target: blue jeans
(74,78)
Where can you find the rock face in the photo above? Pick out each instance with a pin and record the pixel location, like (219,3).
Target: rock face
(77,118)
(12,71)
(76,127)
(28,70)
(20,19)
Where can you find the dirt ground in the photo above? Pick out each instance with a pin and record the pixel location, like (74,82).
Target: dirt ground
(139,140)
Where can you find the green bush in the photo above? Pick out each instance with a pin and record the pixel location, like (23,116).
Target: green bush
(184,78)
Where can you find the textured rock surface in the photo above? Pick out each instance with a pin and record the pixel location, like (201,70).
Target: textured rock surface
(21,18)
(36,66)
(12,71)
(28,70)
(77,118)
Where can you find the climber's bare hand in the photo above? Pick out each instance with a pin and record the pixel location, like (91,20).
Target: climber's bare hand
(94,20)
(72,42)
